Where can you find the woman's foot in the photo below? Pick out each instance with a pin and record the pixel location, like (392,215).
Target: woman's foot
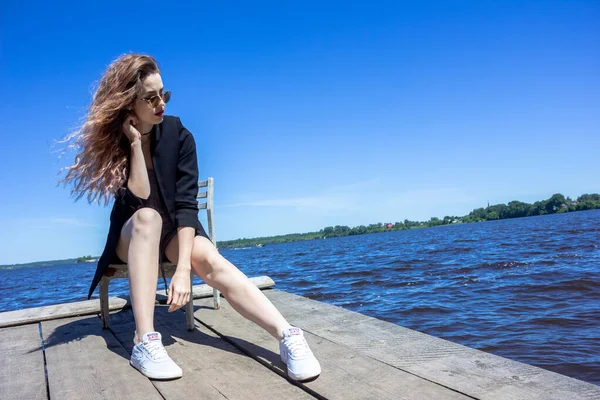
(151,359)
(301,363)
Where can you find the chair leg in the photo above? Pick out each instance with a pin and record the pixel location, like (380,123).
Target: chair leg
(189,308)
(104,282)
(189,315)
(216,299)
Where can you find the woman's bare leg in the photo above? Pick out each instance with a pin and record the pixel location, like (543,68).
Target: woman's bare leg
(239,291)
(138,246)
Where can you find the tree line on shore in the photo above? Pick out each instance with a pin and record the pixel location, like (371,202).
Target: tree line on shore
(557,203)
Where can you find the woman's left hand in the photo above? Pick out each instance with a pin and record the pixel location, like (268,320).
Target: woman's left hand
(179,290)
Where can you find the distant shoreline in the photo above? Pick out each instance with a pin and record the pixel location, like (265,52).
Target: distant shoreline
(48,263)
(556,204)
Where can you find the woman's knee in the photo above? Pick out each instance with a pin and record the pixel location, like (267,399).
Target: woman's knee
(146,221)
(207,261)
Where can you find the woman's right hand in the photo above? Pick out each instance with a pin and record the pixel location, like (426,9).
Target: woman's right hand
(129,128)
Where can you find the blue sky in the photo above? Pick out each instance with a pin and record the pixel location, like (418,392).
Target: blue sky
(310,114)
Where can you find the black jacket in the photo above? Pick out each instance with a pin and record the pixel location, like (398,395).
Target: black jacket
(174,157)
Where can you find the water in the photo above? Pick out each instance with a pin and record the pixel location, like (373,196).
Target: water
(527,289)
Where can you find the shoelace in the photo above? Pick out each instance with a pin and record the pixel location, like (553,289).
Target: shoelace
(156,350)
(297,345)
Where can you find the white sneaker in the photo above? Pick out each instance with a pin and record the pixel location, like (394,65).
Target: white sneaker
(295,353)
(151,359)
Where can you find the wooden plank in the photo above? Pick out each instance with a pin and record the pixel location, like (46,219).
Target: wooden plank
(211,231)
(346,374)
(37,314)
(22,374)
(203,290)
(476,373)
(212,368)
(85,361)
(92,307)
(209,208)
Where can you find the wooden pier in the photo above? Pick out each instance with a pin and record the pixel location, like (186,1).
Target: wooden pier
(62,352)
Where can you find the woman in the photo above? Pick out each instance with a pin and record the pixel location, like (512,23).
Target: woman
(129,150)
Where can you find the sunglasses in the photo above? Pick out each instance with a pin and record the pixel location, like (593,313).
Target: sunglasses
(154,101)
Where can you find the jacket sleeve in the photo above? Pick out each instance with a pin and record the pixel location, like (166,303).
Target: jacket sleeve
(186,205)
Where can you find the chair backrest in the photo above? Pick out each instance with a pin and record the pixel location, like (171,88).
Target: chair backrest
(207,205)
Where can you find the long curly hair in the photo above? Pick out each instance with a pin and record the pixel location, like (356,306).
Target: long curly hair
(100,167)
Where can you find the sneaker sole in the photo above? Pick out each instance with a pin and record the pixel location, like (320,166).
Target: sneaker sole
(155,375)
(299,378)
(303,378)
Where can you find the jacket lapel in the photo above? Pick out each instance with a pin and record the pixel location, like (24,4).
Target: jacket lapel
(158,132)
(157,154)
(158,161)
(155,147)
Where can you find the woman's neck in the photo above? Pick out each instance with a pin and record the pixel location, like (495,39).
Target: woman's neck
(145,128)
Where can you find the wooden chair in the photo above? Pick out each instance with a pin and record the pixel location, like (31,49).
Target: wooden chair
(115,271)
